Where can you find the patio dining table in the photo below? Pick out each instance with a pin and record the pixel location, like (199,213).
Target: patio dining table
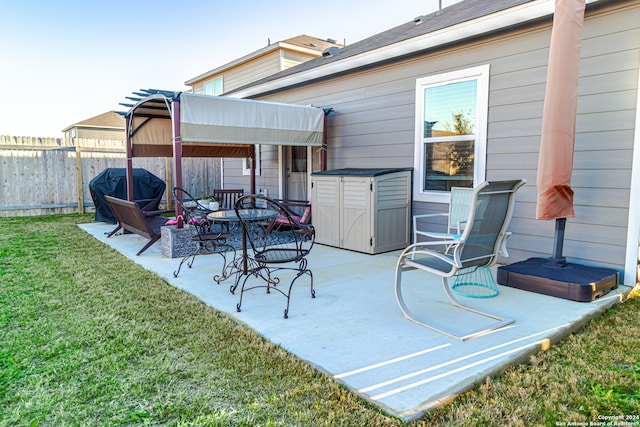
(239,265)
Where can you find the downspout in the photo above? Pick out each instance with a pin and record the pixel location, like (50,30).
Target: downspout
(177,151)
(323,149)
(632,259)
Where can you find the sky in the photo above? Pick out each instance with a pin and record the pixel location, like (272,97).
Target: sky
(64,61)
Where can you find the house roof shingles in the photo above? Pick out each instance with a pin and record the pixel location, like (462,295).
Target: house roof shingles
(455,14)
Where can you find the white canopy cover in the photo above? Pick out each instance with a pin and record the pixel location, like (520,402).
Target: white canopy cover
(213,126)
(244,121)
(216,126)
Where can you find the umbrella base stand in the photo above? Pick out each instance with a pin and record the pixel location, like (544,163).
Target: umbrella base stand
(570,281)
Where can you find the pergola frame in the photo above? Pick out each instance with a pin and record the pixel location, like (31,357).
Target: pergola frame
(180,124)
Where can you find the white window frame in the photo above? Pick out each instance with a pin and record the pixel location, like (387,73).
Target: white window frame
(218,92)
(246,167)
(481,75)
(212,84)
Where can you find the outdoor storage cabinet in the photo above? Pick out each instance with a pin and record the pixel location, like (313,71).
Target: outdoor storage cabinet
(365,210)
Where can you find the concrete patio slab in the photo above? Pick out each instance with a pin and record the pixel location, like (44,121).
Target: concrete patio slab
(354,331)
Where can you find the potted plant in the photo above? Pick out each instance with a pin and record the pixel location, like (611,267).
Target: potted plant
(209,202)
(212,203)
(203,201)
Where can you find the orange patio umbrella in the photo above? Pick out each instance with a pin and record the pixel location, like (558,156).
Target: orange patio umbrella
(555,276)
(555,163)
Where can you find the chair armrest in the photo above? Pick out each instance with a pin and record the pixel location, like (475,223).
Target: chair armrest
(416,217)
(144,204)
(460,226)
(430,215)
(425,249)
(445,242)
(149,214)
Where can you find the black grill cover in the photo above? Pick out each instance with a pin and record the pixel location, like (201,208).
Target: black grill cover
(113,182)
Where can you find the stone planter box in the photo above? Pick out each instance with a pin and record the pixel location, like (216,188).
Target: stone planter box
(176,242)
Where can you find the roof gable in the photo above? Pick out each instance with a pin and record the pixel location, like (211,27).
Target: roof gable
(110,119)
(302,43)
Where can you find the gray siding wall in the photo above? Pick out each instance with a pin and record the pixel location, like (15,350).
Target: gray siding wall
(256,69)
(268,178)
(374,125)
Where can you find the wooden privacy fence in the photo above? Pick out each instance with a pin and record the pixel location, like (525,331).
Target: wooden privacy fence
(42,176)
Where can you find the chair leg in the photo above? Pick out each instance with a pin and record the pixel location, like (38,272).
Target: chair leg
(501,322)
(199,250)
(115,230)
(288,295)
(226,268)
(256,272)
(186,257)
(148,245)
(272,283)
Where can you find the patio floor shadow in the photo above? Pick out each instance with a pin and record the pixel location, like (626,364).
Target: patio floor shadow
(354,331)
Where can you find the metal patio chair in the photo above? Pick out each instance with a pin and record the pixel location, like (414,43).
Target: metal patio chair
(269,250)
(478,246)
(473,282)
(209,236)
(456,217)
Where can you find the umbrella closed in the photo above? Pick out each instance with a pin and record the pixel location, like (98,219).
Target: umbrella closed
(555,162)
(555,276)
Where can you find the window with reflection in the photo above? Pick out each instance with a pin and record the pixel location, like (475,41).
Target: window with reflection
(451,121)
(213,87)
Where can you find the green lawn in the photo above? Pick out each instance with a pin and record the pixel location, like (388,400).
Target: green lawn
(88,338)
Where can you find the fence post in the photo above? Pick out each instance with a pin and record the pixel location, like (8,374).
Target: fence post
(79,179)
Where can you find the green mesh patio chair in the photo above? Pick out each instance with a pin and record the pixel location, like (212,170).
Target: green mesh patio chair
(473,282)
(478,246)
(456,217)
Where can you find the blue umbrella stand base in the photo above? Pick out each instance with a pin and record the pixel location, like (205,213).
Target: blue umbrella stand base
(574,282)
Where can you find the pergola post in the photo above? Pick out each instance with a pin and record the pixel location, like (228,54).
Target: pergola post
(177,149)
(252,164)
(129,149)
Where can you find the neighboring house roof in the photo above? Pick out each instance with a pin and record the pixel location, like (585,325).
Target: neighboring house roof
(301,43)
(459,22)
(309,42)
(108,120)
